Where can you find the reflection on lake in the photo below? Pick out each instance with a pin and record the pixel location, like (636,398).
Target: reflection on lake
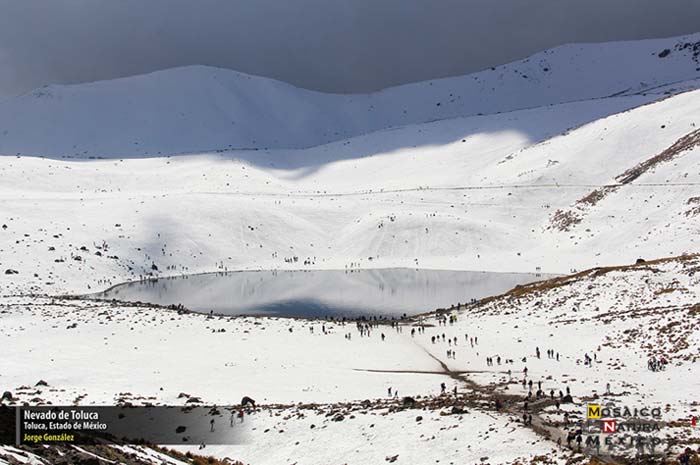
(381,292)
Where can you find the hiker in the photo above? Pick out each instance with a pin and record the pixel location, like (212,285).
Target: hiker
(529,419)
(389,391)
(443,387)
(525,371)
(569,437)
(240,415)
(684,458)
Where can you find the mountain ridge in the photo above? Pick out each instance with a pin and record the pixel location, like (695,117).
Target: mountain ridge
(197,108)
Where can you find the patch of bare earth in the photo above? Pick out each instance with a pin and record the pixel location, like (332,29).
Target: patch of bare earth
(564,220)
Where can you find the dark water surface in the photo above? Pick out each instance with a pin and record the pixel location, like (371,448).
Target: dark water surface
(385,292)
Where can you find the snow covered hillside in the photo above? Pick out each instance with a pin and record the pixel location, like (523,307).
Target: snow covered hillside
(508,192)
(197,108)
(581,157)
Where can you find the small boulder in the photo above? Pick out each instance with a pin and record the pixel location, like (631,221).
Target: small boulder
(457,410)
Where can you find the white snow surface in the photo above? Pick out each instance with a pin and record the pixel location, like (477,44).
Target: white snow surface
(519,170)
(147,355)
(476,193)
(196,108)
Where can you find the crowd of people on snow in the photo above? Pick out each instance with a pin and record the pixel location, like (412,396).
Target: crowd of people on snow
(656,364)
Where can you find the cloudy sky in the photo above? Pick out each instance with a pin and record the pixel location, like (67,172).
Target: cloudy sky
(329,45)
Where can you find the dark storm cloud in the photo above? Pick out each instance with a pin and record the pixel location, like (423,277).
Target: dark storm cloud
(330,45)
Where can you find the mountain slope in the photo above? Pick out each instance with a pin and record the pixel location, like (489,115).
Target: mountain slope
(475,193)
(198,108)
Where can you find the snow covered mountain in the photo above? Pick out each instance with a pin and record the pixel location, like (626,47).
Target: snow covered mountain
(198,108)
(582,157)
(584,183)
(567,186)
